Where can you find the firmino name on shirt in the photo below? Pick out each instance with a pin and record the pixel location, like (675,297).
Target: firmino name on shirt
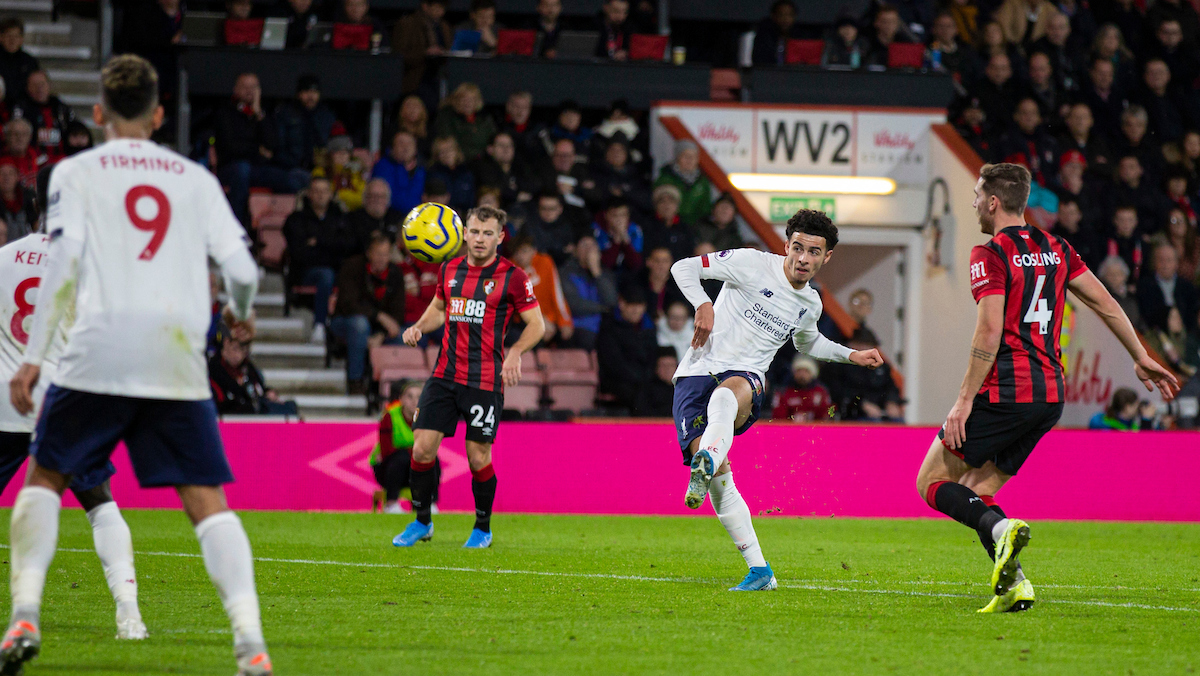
(142,163)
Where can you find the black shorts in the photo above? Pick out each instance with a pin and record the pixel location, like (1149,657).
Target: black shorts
(443,402)
(1004,433)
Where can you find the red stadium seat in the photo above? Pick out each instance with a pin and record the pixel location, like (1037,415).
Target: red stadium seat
(270,211)
(387,376)
(647,47)
(431,353)
(571,397)
(523,397)
(244,32)
(804,52)
(905,56)
(724,84)
(352,36)
(271,248)
(569,367)
(515,43)
(531,371)
(398,357)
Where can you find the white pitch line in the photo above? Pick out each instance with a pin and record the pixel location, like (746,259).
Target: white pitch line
(644,578)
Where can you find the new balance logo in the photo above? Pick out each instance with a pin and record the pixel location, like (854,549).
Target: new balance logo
(767,292)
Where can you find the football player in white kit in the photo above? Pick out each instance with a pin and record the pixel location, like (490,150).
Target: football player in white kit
(22,264)
(766,300)
(132,227)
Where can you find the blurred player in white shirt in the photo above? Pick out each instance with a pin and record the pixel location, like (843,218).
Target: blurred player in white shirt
(22,264)
(132,227)
(766,300)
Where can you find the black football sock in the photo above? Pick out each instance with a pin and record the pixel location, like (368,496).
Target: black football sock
(962,504)
(483,486)
(986,539)
(422,481)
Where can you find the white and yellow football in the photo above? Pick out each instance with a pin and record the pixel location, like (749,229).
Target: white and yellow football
(432,232)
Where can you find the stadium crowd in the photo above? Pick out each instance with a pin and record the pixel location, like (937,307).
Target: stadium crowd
(1099,100)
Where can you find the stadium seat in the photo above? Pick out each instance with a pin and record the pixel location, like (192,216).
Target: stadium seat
(725,84)
(431,353)
(389,375)
(569,367)
(244,32)
(271,249)
(352,36)
(574,398)
(647,47)
(515,43)
(268,210)
(531,370)
(396,357)
(523,397)
(804,52)
(905,56)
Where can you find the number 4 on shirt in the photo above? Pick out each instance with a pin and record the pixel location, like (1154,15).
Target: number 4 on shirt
(1039,311)
(157,225)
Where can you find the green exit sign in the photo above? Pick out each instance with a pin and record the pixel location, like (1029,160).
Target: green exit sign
(783,208)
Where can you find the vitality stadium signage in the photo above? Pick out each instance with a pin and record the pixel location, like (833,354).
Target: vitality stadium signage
(774,139)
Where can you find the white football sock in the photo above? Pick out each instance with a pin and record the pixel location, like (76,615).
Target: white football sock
(114,546)
(34,535)
(718,434)
(734,514)
(998,530)
(227,557)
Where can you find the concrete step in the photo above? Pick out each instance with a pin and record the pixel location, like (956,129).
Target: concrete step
(306,381)
(74,75)
(272,349)
(270,282)
(66,52)
(81,101)
(286,329)
(27,6)
(326,405)
(47,33)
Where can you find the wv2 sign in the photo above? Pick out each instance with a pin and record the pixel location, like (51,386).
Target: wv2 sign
(790,143)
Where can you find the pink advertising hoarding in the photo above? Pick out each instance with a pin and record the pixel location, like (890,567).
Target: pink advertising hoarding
(635,468)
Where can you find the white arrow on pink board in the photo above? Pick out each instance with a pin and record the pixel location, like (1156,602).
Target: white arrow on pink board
(454,464)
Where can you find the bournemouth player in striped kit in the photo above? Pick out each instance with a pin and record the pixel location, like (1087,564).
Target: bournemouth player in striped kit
(1012,393)
(477,296)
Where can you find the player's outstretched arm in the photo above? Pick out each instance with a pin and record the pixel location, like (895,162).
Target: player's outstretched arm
(809,341)
(687,274)
(431,320)
(989,327)
(535,329)
(241,278)
(1093,294)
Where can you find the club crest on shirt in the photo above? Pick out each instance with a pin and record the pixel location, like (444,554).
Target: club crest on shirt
(801,315)
(488,286)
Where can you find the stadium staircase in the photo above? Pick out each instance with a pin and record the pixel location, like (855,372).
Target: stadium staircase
(67,50)
(293,365)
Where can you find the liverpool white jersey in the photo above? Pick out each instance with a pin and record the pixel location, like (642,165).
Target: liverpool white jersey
(148,220)
(22,264)
(755,313)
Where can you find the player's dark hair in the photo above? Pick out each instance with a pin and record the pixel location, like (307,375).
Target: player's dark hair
(1123,397)
(815,223)
(129,87)
(1008,182)
(482,214)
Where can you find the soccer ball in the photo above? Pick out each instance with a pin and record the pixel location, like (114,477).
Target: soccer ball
(432,232)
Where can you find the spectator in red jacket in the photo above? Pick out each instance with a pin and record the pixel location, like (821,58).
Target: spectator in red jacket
(806,399)
(18,145)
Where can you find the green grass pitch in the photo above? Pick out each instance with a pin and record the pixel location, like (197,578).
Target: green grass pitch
(636,595)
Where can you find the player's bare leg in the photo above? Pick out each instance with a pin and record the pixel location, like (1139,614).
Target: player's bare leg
(942,482)
(230,566)
(114,546)
(422,482)
(729,407)
(34,536)
(483,488)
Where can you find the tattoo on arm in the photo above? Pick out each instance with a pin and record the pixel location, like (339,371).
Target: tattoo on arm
(982,354)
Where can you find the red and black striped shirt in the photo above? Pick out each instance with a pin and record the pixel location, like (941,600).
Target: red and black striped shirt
(1031,268)
(480,302)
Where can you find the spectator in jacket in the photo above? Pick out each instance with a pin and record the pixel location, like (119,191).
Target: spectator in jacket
(571,179)
(376,215)
(391,458)
(237,385)
(667,229)
(591,291)
(569,126)
(551,230)
(1025,21)
(996,91)
(626,349)
(18,147)
(1121,414)
(502,169)
(957,57)
(1163,290)
(547,287)
(343,172)
(617,177)
(47,113)
(1114,274)
(449,168)
(358,13)
(461,116)
(1125,242)
(17,208)
(684,173)
(421,38)
(414,119)
(318,238)
(79,138)
(16,64)
(402,172)
(548,26)
(526,134)
(861,394)
(370,307)
(620,240)
(657,398)
(304,124)
(805,399)
(655,278)
(481,18)
(675,327)
(772,33)
(614,30)
(1134,140)
(888,28)
(721,228)
(245,145)
(302,17)
(844,46)
(1082,136)
(1028,143)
